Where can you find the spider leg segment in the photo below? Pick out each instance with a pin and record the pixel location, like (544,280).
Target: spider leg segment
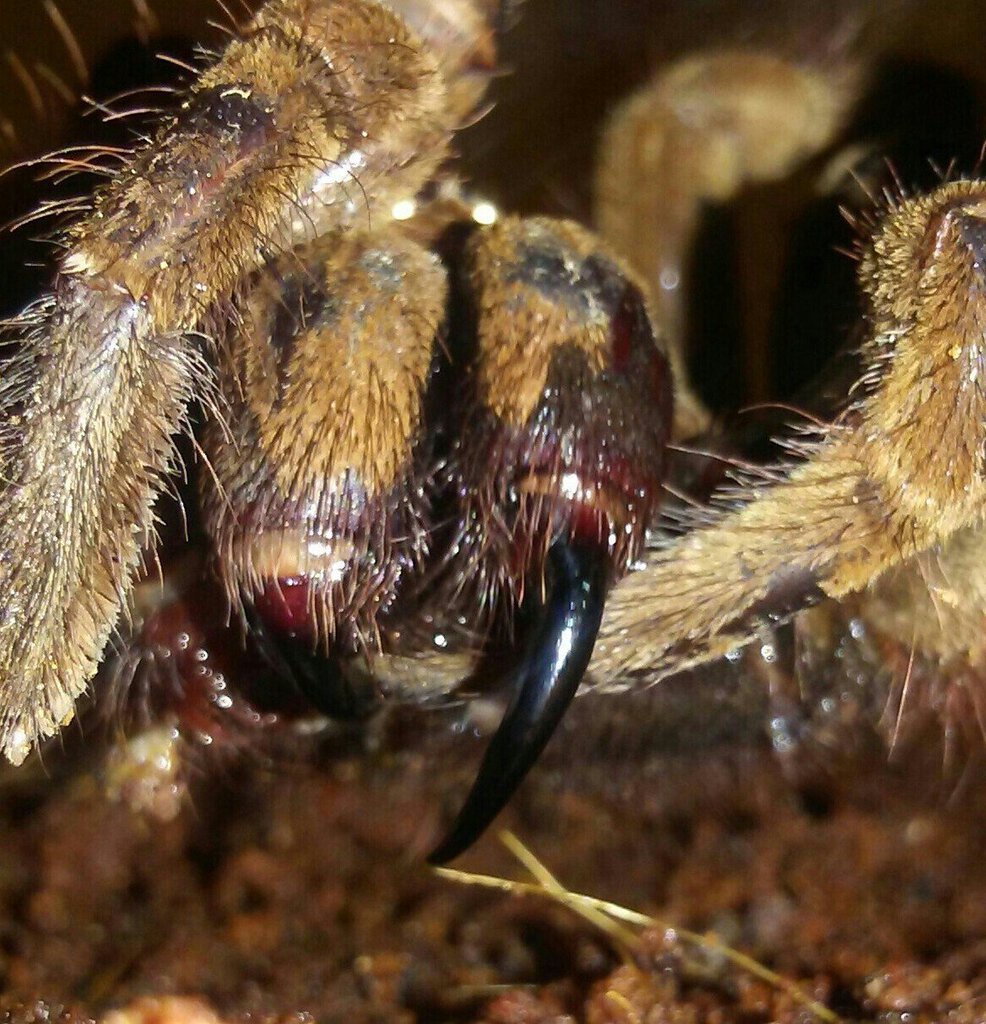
(858,505)
(704,128)
(900,472)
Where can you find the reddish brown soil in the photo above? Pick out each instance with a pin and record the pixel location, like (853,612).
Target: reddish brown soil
(297,891)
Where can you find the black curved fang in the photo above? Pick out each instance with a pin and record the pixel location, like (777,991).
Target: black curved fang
(545,683)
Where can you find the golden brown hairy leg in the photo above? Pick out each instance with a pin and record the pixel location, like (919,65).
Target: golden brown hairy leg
(320,116)
(899,473)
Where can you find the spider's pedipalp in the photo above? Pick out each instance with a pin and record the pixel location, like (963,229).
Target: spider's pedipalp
(899,472)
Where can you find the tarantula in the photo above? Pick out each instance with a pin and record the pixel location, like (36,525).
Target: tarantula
(433,446)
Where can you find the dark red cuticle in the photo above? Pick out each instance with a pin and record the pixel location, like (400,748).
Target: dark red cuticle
(589,525)
(285,606)
(629,328)
(624,327)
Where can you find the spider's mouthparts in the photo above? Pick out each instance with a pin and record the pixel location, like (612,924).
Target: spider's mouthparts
(551,668)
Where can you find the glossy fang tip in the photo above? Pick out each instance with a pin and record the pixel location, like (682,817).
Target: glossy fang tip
(553,664)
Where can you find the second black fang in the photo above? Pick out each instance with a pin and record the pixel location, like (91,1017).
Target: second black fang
(546,680)
(318,678)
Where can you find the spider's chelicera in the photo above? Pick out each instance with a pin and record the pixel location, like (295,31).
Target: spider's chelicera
(403,452)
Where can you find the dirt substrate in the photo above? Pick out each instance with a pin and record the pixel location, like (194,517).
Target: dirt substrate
(294,889)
